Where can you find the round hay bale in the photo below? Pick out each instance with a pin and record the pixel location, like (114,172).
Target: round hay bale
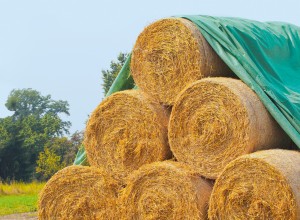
(78,192)
(126,131)
(215,120)
(262,185)
(170,54)
(165,190)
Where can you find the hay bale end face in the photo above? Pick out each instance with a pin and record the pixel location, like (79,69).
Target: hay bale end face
(215,120)
(165,190)
(126,131)
(78,192)
(170,54)
(262,185)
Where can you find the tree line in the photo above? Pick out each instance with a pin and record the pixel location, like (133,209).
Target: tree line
(35,141)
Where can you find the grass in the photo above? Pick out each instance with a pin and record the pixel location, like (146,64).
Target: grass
(19,197)
(17,188)
(17,204)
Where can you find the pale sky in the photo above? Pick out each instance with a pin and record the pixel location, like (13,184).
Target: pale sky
(59,47)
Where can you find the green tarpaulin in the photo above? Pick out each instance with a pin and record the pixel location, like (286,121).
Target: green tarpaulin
(264,55)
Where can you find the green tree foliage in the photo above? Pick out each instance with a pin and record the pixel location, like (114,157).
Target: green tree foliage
(35,122)
(65,147)
(25,102)
(108,76)
(48,163)
(58,153)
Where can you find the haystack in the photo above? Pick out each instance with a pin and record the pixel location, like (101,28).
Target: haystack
(78,192)
(262,185)
(165,190)
(215,120)
(170,54)
(126,131)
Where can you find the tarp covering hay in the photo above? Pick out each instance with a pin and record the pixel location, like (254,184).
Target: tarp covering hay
(78,192)
(215,120)
(168,55)
(126,131)
(262,185)
(165,190)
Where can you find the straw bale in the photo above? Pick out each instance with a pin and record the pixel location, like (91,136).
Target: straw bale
(78,192)
(170,54)
(165,190)
(126,131)
(215,120)
(262,185)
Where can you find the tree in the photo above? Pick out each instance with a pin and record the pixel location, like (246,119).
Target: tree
(58,153)
(48,163)
(25,102)
(108,76)
(76,140)
(65,147)
(35,122)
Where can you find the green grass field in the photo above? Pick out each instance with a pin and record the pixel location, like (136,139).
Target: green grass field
(19,197)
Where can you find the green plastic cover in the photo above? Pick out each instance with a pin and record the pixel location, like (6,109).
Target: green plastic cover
(264,55)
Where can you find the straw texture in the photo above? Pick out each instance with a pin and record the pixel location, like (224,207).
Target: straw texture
(170,54)
(78,192)
(126,131)
(215,120)
(165,190)
(262,185)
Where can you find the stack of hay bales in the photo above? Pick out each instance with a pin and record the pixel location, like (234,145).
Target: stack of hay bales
(171,149)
